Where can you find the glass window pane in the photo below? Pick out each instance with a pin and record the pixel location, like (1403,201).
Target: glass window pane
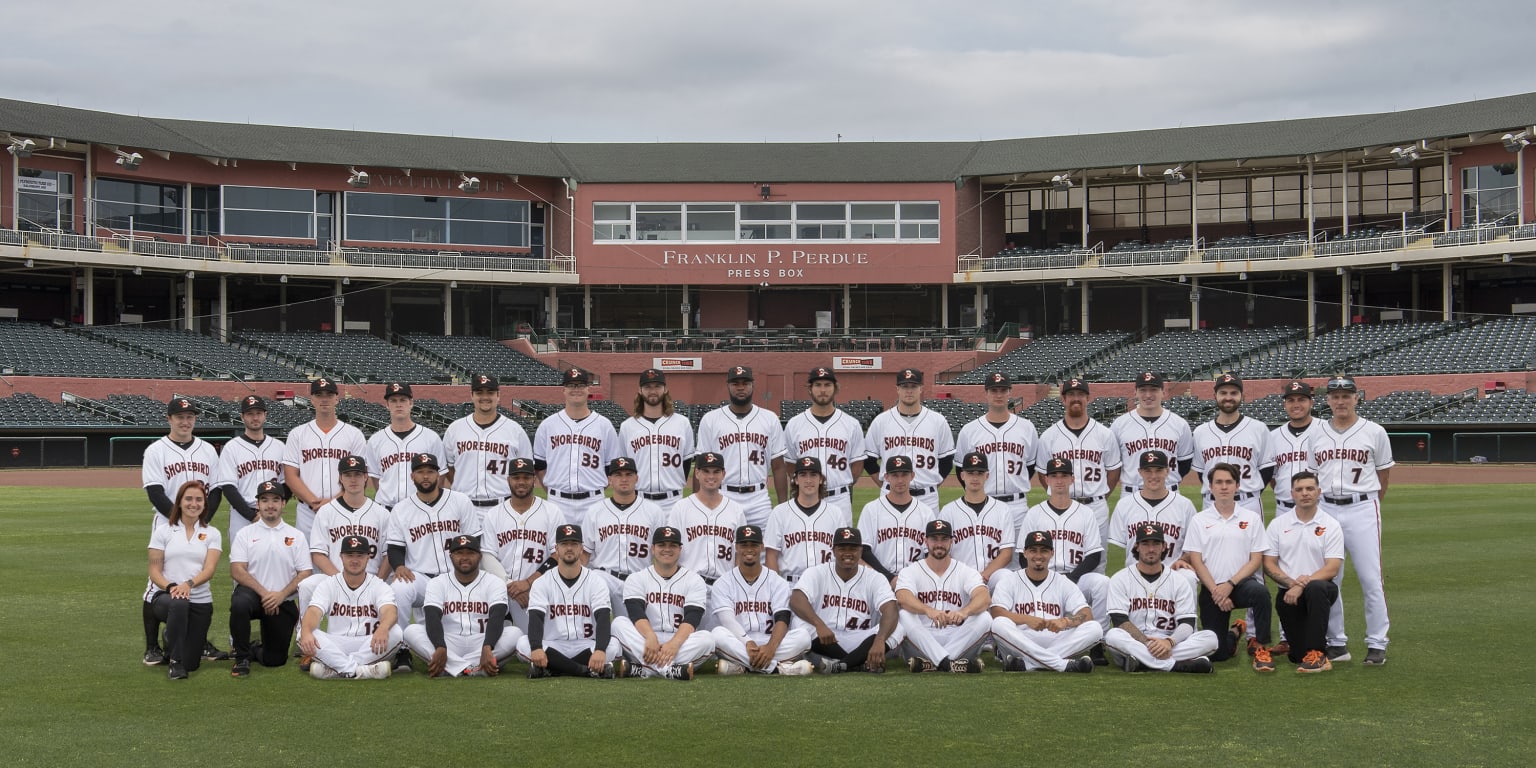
(821,211)
(708,207)
(765,212)
(610,212)
(659,208)
(659,226)
(911,211)
(711,226)
(766,231)
(269,224)
(270,199)
(863,231)
(873,211)
(410,206)
(487,209)
(488,233)
(610,232)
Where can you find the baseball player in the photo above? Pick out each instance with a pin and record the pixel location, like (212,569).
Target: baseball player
(572,447)
(267,560)
(828,434)
(800,530)
(1232,438)
(752,442)
(172,461)
(419,529)
(518,537)
(391,449)
(1226,548)
(1091,447)
(570,617)
(664,605)
(313,450)
(1040,619)
(1352,459)
(1153,614)
(358,609)
(350,514)
(1151,427)
(983,528)
(708,521)
(247,461)
(183,554)
(893,523)
(1154,504)
(850,609)
(478,448)
(660,440)
(1007,440)
(1288,442)
(944,606)
(466,633)
(750,606)
(921,435)
(1306,550)
(619,531)
(1077,551)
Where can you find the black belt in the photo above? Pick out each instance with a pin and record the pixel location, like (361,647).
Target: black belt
(1009,497)
(837,491)
(709,581)
(921,491)
(1171,489)
(578,496)
(1087,499)
(620,575)
(1350,499)
(660,496)
(485,503)
(1286,504)
(746,488)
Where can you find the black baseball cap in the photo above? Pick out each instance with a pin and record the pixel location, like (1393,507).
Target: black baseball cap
(909,376)
(1039,539)
(620,464)
(1149,379)
(423,460)
(667,535)
(975,461)
(322,386)
(939,528)
(356,545)
(568,532)
(352,464)
(180,405)
(522,466)
(652,376)
(898,464)
(397,388)
(575,376)
(1149,532)
(820,374)
(484,381)
(463,541)
(808,464)
(997,380)
(739,372)
(847,537)
(1342,384)
(1298,387)
(710,460)
(1153,460)
(1229,380)
(252,403)
(1058,466)
(271,488)
(749,534)
(1074,384)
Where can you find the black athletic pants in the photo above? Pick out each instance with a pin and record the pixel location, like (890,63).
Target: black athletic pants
(276,629)
(854,659)
(186,628)
(1306,622)
(1248,593)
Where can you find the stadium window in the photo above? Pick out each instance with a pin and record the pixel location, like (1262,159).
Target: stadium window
(711,221)
(767,221)
(919,221)
(138,206)
(612,221)
(1488,194)
(732,222)
(45,200)
(1016,207)
(659,221)
(1431,188)
(205,211)
(872,221)
(432,219)
(268,212)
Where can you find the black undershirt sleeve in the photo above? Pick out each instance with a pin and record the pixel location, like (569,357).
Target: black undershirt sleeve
(635,608)
(874,562)
(435,627)
(1116,619)
(496,621)
(693,615)
(536,630)
(1184,465)
(784,616)
(946,465)
(603,618)
(871,466)
(540,464)
(1268,473)
(1088,564)
(237,503)
(212,507)
(687,466)
(1190,622)
(396,555)
(158,498)
(549,562)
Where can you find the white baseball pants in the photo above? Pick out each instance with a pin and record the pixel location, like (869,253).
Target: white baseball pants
(1202,643)
(1043,649)
(463,650)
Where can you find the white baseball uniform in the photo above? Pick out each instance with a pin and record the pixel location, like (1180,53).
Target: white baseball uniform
(1155,607)
(1288,452)
(666,599)
(351,618)
(838,442)
(336,521)
(389,461)
(709,535)
(1171,516)
(745,611)
(1346,464)
(925,438)
(316,454)
(749,444)
(575,454)
(520,542)
(851,609)
(171,466)
(1075,535)
(803,538)
(618,543)
(466,614)
(947,591)
(570,624)
(243,466)
(1246,445)
(1169,433)
(896,536)
(1052,598)
(479,456)
(424,530)
(1094,453)
(659,447)
(980,536)
(1010,450)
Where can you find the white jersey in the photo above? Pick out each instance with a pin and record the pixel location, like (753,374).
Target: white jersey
(709,535)
(947,591)
(336,521)
(896,536)
(316,455)
(569,608)
(851,606)
(666,598)
(753,604)
(183,556)
(1245,445)
(244,465)
(389,460)
(1053,598)
(575,452)
(838,442)
(1346,462)
(749,443)
(1155,606)
(1010,450)
(803,539)
(466,607)
(520,541)
(925,438)
(619,540)
(1094,453)
(479,456)
(272,554)
(352,612)
(1289,455)
(1171,516)
(1168,433)
(1075,532)
(979,537)
(658,448)
(424,529)
(1226,544)
(1303,547)
(170,466)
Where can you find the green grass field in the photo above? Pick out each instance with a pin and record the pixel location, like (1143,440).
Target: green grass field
(1457,690)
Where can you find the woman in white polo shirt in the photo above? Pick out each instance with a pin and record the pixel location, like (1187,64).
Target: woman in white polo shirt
(182,558)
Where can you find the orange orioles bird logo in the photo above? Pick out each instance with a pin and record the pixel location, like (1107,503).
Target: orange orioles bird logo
(1318,531)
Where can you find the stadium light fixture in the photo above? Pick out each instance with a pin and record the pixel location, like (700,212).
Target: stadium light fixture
(29,263)
(1174,176)
(357,179)
(283,279)
(468,184)
(766,191)
(1062,180)
(453,284)
(130,161)
(1405,155)
(138,270)
(21,148)
(1514,142)
(1506,258)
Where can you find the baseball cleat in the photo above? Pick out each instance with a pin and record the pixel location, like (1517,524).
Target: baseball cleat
(305,662)
(536,672)
(242,668)
(1017,664)
(1197,665)
(1081,664)
(1262,661)
(1254,646)
(796,668)
(379,670)
(1375,657)
(960,666)
(1314,661)
(153,657)
(728,667)
(1338,653)
(682,672)
(832,666)
(1282,648)
(1097,654)
(320,671)
(403,660)
(177,671)
(920,664)
(607,673)
(210,653)
(623,667)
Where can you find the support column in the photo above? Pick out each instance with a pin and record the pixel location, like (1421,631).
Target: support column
(1083,303)
(117,298)
(688,312)
(1311,305)
(981,306)
(1344,194)
(1344,299)
(224,308)
(1194,303)
(586,303)
(1445,185)
(943,306)
(339,301)
(389,312)
(1146,312)
(282,307)
(447,309)
(1445,293)
(847,307)
(1194,205)
(1311,212)
(1413,290)
(554,309)
(88,295)
(1085,209)
(190,307)
(1520,186)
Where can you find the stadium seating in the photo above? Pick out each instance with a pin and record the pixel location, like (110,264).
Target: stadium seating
(1505,344)
(347,357)
(202,354)
(1187,354)
(1135,252)
(1512,407)
(30,349)
(1049,358)
(469,355)
(1037,258)
(1338,350)
(957,412)
(1245,248)
(25,409)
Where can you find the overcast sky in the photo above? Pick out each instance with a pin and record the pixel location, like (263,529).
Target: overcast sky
(788,70)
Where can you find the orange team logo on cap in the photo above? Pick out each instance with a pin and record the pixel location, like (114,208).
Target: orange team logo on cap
(425,457)
(567,530)
(975,460)
(847,534)
(740,370)
(1147,530)
(938,525)
(1147,377)
(1318,531)
(899,462)
(906,374)
(821,371)
(322,382)
(185,404)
